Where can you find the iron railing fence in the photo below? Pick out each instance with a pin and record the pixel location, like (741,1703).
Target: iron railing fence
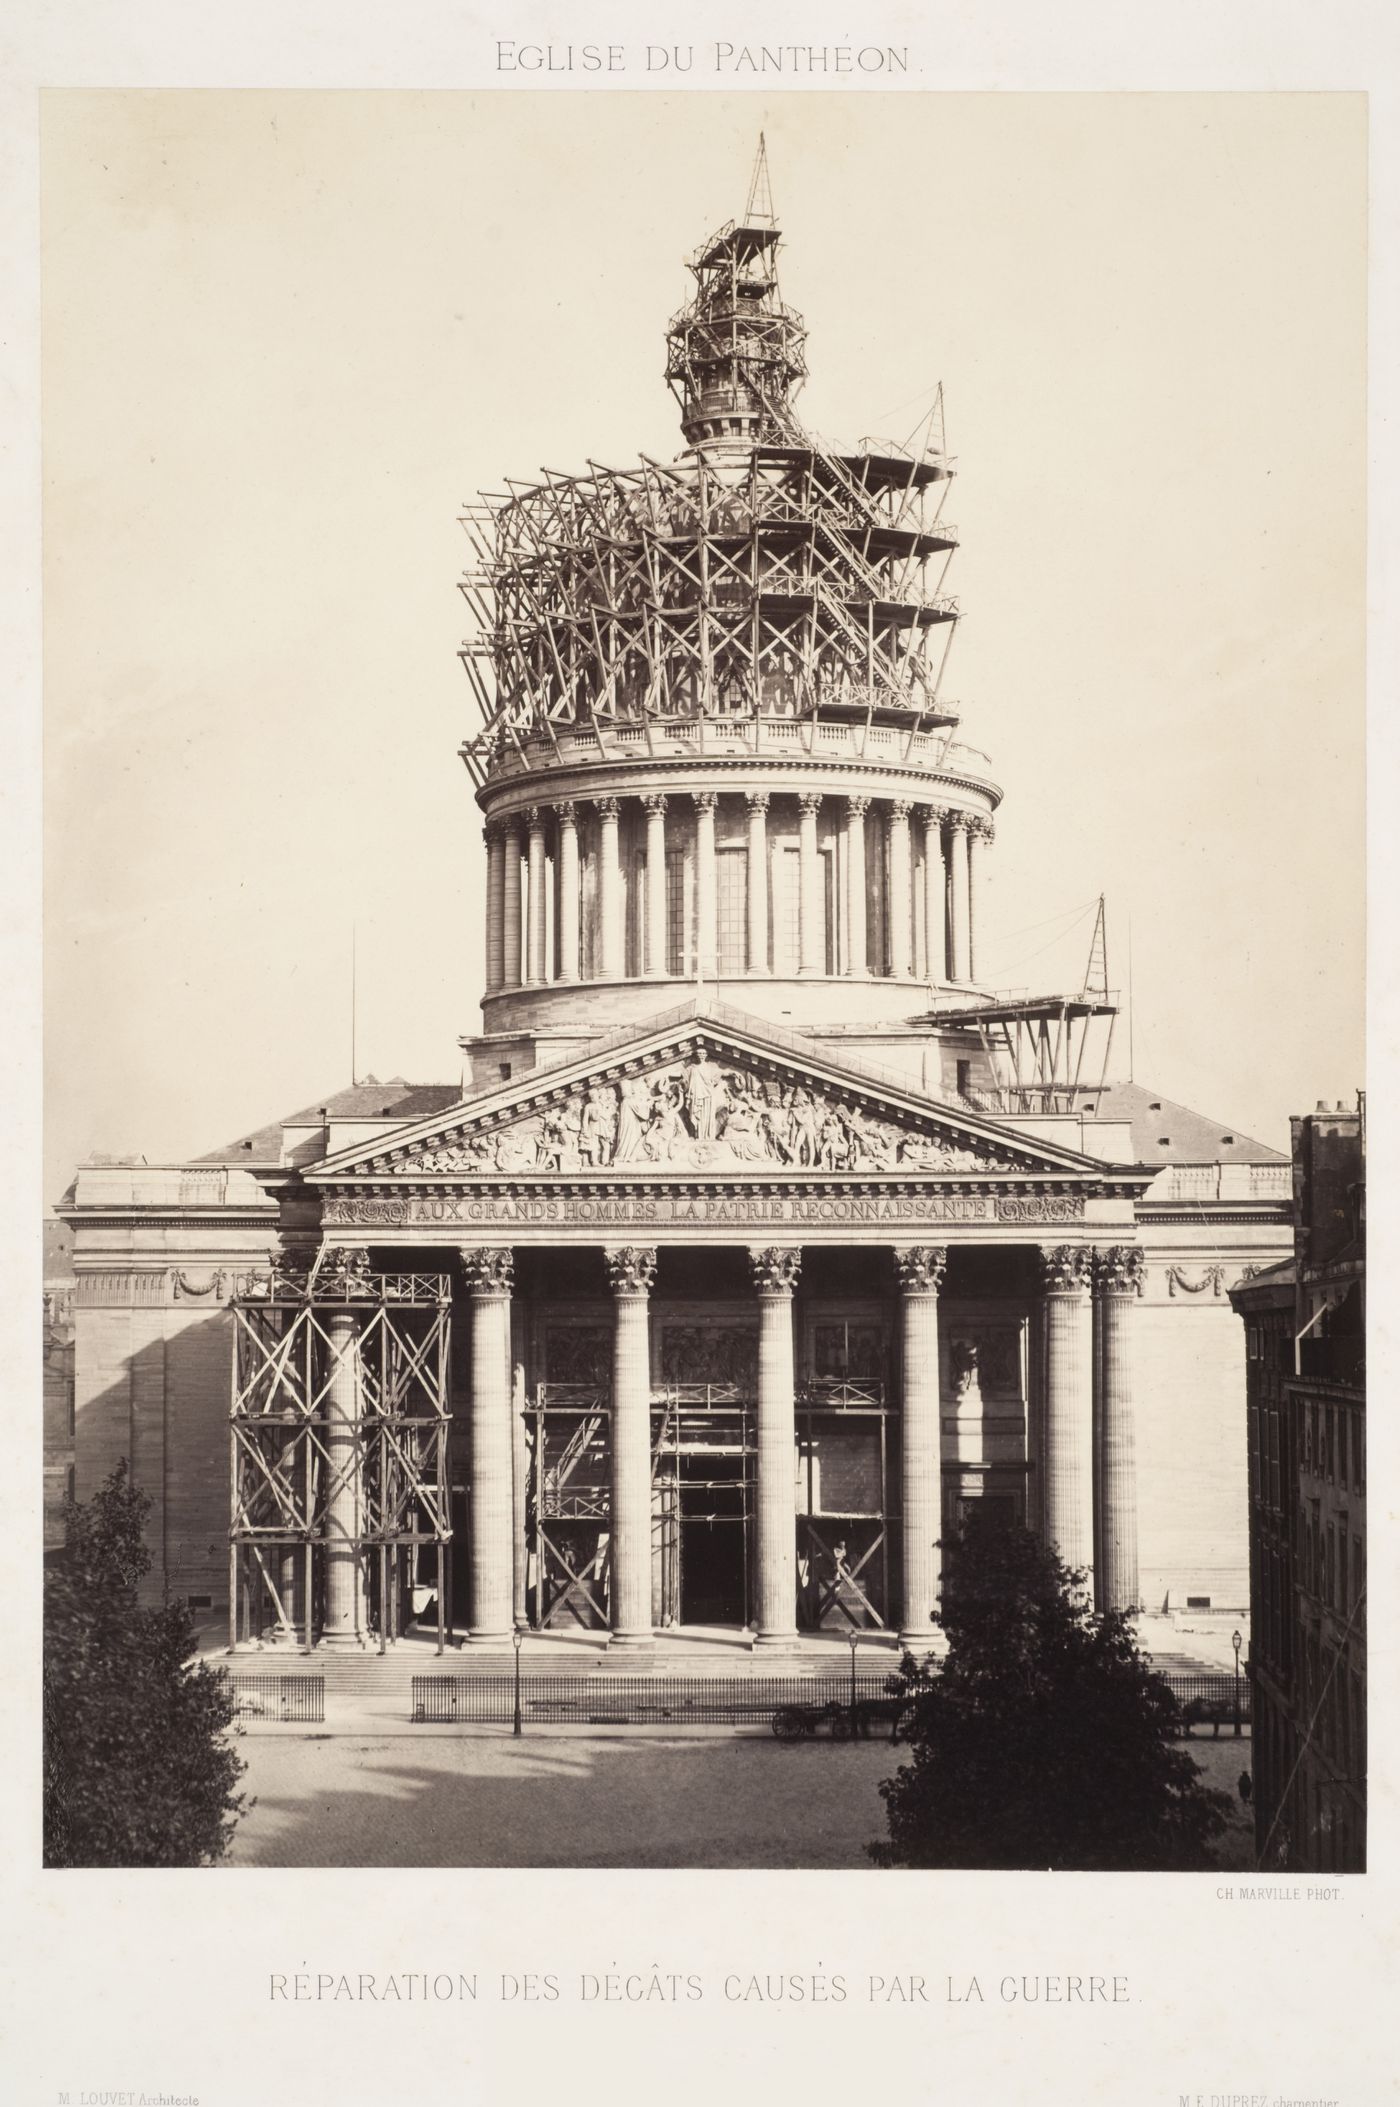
(1211,1697)
(715,1700)
(295,1697)
(630,1700)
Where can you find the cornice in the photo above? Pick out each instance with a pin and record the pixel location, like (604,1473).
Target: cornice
(561,781)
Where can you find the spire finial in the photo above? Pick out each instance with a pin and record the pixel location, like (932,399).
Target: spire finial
(759,209)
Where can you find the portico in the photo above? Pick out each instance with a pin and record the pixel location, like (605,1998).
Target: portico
(753,1330)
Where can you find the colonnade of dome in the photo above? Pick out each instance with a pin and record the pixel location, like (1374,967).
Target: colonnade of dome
(764,882)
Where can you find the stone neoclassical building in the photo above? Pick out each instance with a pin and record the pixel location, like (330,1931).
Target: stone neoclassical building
(762,1235)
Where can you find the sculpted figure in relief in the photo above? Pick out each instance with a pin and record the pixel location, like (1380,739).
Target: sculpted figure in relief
(701,1114)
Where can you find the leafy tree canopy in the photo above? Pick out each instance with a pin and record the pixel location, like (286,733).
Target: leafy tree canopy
(138,1770)
(1045,1740)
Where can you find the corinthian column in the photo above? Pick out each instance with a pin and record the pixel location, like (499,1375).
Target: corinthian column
(344,1619)
(569,963)
(706,933)
(920,1271)
(935,897)
(1117,1276)
(1069,1404)
(957,920)
(901,902)
(856,948)
(775,1271)
(510,906)
(757,802)
(979,832)
(489,1275)
(811,903)
(495,908)
(655,808)
(610,930)
(631,1271)
(535,917)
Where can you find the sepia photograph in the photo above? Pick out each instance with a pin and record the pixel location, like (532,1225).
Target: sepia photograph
(705,1138)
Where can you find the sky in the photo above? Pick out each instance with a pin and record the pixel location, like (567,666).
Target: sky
(287,336)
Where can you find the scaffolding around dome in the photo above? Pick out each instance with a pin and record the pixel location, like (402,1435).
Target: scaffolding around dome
(763,576)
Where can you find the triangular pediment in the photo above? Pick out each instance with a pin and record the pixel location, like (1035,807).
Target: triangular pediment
(703,1099)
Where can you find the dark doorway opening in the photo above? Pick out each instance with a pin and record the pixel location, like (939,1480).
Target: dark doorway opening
(713,1563)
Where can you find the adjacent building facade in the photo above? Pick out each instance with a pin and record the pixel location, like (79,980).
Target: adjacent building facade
(1305,1328)
(762,1235)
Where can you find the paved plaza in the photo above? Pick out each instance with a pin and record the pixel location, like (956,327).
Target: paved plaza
(564,1798)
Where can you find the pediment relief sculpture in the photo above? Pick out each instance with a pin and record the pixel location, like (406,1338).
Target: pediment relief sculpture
(704,1114)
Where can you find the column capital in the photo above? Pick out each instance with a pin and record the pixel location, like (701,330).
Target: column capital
(654,803)
(982,828)
(1119,1269)
(810,801)
(957,822)
(534,818)
(607,807)
(566,812)
(510,825)
(757,800)
(901,807)
(491,833)
(775,1267)
(490,1269)
(920,1268)
(631,1268)
(704,800)
(933,815)
(341,1273)
(1064,1268)
(857,806)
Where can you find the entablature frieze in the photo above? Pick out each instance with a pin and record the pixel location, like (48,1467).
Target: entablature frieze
(683,1210)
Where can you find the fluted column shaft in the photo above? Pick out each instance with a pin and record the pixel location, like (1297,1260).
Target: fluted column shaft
(569,962)
(775,1271)
(856,947)
(957,919)
(901,904)
(656,962)
(610,929)
(920,1273)
(491,1505)
(1117,1274)
(935,897)
(631,1271)
(706,933)
(757,801)
(495,908)
(1069,1405)
(510,906)
(343,1622)
(978,834)
(536,923)
(811,905)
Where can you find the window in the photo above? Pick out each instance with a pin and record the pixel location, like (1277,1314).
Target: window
(1198,1602)
(787,910)
(675,913)
(505,1071)
(731,909)
(964,1078)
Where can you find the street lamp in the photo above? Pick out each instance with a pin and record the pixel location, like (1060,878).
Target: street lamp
(517,1639)
(1237,1642)
(853,1641)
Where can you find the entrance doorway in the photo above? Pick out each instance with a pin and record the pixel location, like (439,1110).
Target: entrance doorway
(713,1562)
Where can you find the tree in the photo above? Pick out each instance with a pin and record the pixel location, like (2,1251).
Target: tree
(1045,1740)
(138,1770)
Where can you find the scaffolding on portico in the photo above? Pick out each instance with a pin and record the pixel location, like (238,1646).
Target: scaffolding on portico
(304,1474)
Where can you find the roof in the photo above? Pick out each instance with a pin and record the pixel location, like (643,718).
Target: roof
(1163,1131)
(395,1100)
